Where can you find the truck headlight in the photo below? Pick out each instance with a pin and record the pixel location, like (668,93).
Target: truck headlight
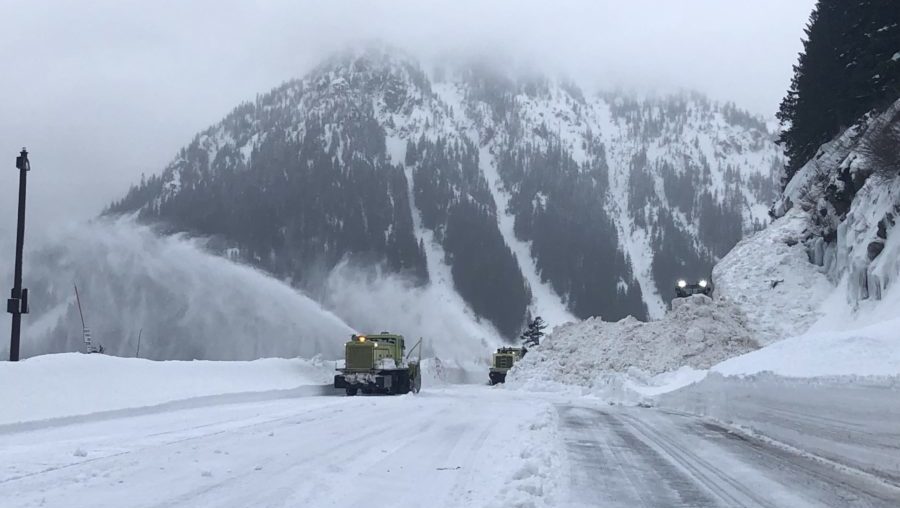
(703,283)
(682,283)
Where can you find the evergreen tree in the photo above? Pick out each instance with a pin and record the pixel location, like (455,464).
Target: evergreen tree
(848,67)
(533,333)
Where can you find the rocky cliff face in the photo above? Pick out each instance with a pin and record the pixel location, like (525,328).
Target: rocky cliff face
(833,249)
(525,194)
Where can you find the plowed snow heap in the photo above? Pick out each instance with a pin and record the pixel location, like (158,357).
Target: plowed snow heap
(698,332)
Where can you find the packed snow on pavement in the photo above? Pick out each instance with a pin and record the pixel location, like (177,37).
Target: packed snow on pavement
(443,447)
(96,430)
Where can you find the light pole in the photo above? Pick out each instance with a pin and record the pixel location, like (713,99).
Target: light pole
(18,302)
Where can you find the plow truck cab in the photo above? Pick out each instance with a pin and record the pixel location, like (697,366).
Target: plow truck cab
(684,289)
(379,363)
(502,361)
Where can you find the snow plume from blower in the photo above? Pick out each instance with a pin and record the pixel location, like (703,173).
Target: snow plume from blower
(178,300)
(372,302)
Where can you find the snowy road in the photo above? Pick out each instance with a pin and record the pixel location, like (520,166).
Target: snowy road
(440,448)
(459,446)
(633,457)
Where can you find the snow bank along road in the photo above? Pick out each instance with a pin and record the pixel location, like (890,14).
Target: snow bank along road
(846,420)
(454,446)
(629,457)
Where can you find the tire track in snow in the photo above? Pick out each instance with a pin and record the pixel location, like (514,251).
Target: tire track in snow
(731,491)
(626,457)
(870,491)
(630,473)
(360,452)
(181,436)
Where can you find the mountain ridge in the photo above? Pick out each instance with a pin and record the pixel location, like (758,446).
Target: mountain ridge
(371,160)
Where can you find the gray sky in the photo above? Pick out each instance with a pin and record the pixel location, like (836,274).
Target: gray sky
(101,91)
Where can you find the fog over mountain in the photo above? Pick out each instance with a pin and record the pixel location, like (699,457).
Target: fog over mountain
(104,91)
(537,197)
(452,253)
(499,160)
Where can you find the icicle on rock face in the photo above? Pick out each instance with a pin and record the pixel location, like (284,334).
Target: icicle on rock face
(840,210)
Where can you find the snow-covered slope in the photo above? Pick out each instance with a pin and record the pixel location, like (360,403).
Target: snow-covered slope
(769,277)
(818,287)
(833,255)
(678,179)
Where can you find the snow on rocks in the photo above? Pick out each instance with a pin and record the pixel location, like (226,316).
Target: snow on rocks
(823,276)
(770,278)
(594,354)
(852,198)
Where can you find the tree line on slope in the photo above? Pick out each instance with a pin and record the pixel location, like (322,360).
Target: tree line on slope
(299,206)
(849,66)
(456,203)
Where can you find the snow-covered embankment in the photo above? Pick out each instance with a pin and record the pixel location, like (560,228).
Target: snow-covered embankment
(73,384)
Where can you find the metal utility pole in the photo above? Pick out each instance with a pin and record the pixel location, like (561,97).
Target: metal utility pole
(18,301)
(85,331)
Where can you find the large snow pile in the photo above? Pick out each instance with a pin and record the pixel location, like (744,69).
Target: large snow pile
(870,351)
(698,332)
(844,342)
(769,276)
(70,384)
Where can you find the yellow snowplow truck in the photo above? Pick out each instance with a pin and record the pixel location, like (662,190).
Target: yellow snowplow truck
(379,363)
(502,361)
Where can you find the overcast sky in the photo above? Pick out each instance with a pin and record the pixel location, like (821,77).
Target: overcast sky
(103,91)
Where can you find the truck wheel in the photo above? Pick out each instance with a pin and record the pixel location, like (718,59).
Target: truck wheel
(401,383)
(397,384)
(351,392)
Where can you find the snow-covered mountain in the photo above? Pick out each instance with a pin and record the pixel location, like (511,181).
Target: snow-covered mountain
(521,194)
(814,294)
